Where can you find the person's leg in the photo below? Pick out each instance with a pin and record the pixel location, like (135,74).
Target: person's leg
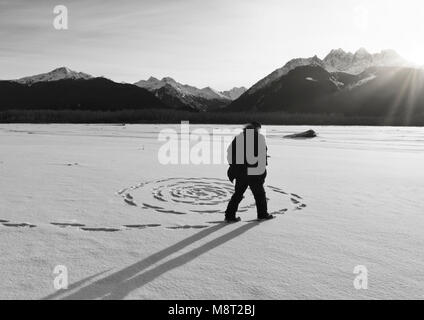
(258,190)
(239,189)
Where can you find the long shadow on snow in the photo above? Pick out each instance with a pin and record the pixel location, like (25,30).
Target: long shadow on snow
(119,284)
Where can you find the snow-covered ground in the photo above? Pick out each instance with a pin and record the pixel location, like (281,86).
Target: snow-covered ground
(142,230)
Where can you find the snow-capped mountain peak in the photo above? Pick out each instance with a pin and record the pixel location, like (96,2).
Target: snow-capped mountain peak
(171,91)
(169,80)
(234,93)
(338,60)
(338,51)
(210,93)
(155,84)
(316,60)
(389,58)
(61,73)
(362,52)
(362,55)
(292,64)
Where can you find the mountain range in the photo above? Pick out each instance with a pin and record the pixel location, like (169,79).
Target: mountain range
(177,95)
(63,88)
(379,91)
(358,84)
(62,73)
(167,92)
(339,61)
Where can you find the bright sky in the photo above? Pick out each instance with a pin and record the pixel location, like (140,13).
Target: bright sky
(220,43)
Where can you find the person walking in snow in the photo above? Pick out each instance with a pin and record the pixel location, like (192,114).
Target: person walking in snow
(247,157)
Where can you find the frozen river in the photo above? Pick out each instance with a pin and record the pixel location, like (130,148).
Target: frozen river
(97,200)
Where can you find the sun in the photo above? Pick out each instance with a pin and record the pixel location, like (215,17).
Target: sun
(415,57)
(413,54)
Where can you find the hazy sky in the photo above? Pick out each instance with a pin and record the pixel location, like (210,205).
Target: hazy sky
(219,43)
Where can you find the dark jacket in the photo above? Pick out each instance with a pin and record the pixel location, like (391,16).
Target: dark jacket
(239,170)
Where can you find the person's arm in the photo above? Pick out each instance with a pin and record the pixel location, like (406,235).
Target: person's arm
(263,142)
(267,156)
(231,153)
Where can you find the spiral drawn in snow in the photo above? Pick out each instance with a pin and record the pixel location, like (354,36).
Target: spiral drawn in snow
(202,195)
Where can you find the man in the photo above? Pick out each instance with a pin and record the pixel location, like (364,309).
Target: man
(247,156)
